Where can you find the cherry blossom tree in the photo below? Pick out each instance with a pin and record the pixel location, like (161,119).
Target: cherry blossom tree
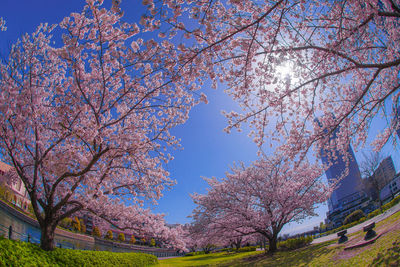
(2,24)
(262,198)
(207,230)
(86,119)
(289,62)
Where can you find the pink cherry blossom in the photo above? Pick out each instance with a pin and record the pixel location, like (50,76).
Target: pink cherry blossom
(86,124)
(259,200)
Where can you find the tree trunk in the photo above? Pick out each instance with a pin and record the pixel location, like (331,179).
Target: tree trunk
(272,245)
(237,245)
(47,237)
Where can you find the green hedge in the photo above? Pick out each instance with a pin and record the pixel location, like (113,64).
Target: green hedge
(247,249)
(294,243)
(354,216)
(374,213)
(391,203)
(363,219)
(370,215)
(195,253)
(243,249)
(17,253)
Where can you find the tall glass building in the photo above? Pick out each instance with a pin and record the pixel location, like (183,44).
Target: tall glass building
(349,194)
(350,183)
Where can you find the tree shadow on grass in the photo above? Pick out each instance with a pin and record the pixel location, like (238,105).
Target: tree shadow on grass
(297,257)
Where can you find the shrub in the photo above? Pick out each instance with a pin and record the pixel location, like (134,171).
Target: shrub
(195,253)
(374,213)
(83,226)
(133,239)
(30,209)
(17,253)
(354,216)
(152,242)
(391,203)
(76,224)
(295,243)
(96,231)
(121,237)
(109,235)
(247,249)
(66,223)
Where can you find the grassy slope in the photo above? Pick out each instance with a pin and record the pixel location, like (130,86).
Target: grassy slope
(384,252)
(207,259)
(16,253)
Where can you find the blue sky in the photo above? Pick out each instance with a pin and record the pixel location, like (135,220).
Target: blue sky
(208,151)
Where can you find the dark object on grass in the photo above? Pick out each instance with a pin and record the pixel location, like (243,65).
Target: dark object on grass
(343,238)
(370,232)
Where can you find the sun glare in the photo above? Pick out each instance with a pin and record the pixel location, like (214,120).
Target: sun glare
(285,71)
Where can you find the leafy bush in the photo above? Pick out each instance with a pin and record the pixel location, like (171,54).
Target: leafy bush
(17,253)
(121,237)
(109,235)
(374,213)
(152,242)
(295,243)
(96,231)
(133,239)
(76,224)
(30,209)
(354,216)
(391,203)
(66,223)
(83,226)
(363,219)
(195,253)
(247,249)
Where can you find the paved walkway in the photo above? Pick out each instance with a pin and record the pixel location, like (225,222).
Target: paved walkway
(359,227)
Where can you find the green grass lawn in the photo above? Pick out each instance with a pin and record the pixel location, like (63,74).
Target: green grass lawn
(385,251)
(208,259)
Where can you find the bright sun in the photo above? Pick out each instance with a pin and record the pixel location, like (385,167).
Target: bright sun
(285,70)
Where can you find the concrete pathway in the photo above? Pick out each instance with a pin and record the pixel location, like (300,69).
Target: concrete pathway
(359,227)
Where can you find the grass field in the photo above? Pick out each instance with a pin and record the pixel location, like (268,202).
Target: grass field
(385,251)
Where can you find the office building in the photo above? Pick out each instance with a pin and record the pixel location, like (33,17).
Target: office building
(349,194)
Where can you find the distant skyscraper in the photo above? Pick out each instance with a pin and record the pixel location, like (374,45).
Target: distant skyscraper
(349,194)
(398,122)
(386,171)
(350,183)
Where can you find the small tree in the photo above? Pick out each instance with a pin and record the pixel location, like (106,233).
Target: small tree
(121,237)
(109,235)
(152,242)
(133,239)
(76,224)
(322,227)
(96,232)
(83,226)
(368,168)
(354,216)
